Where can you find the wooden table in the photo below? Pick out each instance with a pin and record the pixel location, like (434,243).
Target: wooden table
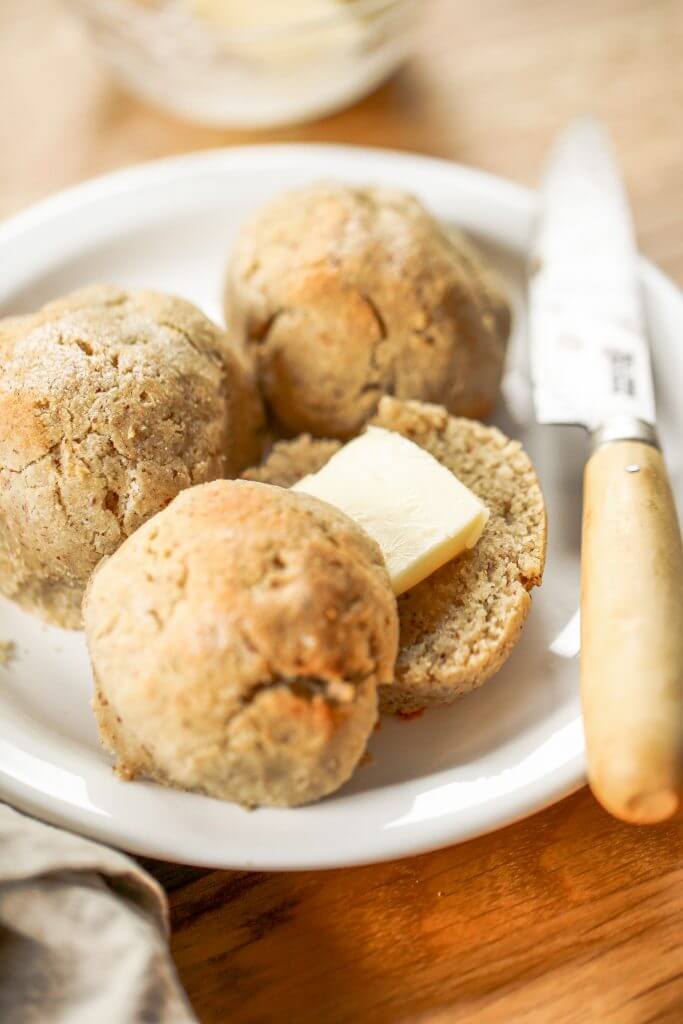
(569,916)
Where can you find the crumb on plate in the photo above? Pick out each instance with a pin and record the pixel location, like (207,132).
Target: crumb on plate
(8,650)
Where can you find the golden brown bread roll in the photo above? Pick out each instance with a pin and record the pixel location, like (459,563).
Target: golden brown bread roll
(345,294)
(110,403)
(237,641)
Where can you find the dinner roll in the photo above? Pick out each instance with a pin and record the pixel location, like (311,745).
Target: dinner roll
(459,625)
(111,402)
(237,642)
(345,294)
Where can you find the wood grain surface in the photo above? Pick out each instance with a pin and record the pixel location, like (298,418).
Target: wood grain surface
(569,916)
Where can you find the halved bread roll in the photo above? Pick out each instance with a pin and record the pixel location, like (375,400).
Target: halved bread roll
(459,625)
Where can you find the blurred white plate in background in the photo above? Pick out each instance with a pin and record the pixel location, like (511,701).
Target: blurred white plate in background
(501,753)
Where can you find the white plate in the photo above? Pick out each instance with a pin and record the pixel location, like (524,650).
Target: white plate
(503,752)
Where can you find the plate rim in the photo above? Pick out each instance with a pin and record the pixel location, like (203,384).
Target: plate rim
(175,165)
(571,778)
(535,796)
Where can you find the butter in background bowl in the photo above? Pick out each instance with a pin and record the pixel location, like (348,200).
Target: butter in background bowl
(256,64)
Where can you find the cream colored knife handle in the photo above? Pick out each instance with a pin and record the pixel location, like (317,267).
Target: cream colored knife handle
(632,633)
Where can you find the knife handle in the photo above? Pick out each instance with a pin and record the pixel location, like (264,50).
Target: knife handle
(632,633)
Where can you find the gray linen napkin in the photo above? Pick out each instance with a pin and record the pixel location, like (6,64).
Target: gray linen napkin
(83,933)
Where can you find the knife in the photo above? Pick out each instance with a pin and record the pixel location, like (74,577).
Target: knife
(591,366)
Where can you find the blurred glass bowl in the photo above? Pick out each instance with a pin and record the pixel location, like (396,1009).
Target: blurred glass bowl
(171,53)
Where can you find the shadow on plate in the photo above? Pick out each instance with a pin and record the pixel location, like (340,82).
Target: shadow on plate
(520,698)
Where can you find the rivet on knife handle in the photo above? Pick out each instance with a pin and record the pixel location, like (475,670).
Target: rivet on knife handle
(632,633)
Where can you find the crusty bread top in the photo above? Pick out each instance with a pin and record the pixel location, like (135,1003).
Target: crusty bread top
(104,348)
(459,625)
(248,585)
(344,294)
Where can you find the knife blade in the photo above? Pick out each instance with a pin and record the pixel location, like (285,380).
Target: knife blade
(589,353)
(590,366)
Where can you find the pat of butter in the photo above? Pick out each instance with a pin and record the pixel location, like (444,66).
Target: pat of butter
(268,14)
(419,513)
(287,35)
